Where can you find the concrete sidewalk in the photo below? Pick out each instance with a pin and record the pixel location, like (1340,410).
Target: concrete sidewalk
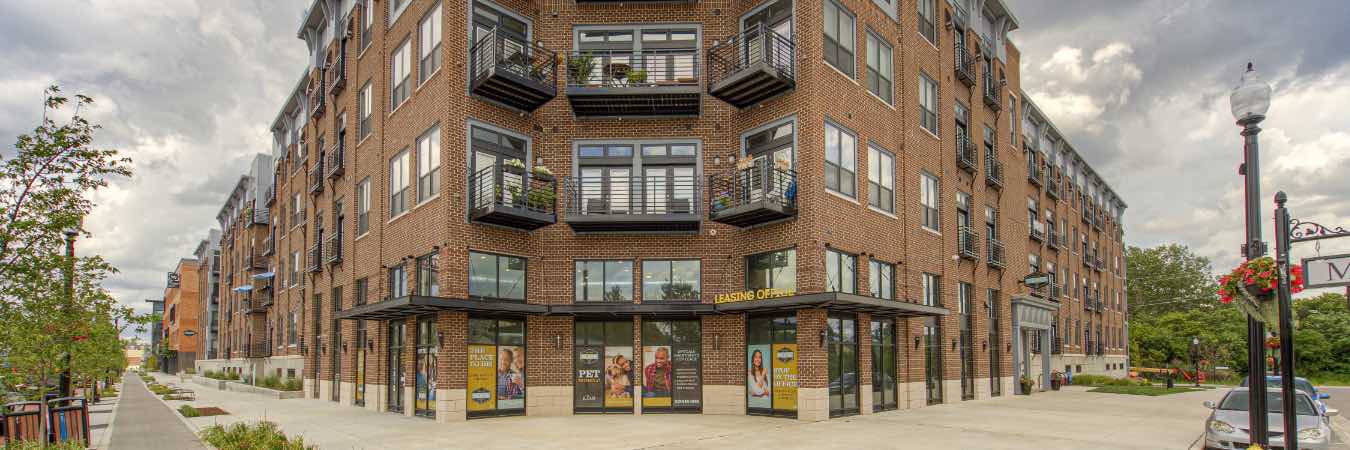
(144,422)
(1069,419)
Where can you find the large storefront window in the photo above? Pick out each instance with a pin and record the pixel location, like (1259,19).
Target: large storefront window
(777,270)
(932,360)
(843,364)
(496,367)
(607,281)
(604,367)
(771,365)
(883,365)
(666,280)
(496,276)
(398,332)
(425,398)
(672,357)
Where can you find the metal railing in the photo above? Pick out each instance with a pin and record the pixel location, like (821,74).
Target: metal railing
(316,177)
(758,44)
(270,196)
(501,186)
(996,258)
(268,246)
(257,259)
(993,169)
(333,250)
(258,216)
(630,69)
(1034,174)
(502,52)
(968,243)
(1097,222)
(298,216)
(633,195)
(336,162)
(1053,183)
(993,90)
(965,152)
(965,66)
(315,257)
(318,96)
(1038,231)
(338,70)
(759,182)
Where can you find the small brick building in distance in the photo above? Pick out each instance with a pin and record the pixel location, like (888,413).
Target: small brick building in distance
(180,321)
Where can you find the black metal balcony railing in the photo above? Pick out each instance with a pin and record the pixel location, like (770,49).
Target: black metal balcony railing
(658,83)
(1055,238)
(965,152)
(752,67)
(316,177)
(268,246)
(993,90)
(1053,184)
(965,66)
(259,349)
(633,204)
(996,258)
(260,285)
(257,260)
(1099,265)
(512,198)
(257,216)
(1097,222)
(753,196)
(968,243)
(1048,291)
(317,96)
(510,70)
(993,170)
(337,72)
(315,257)
(333,247)
(1038,231)
(1035,174)
(336,162)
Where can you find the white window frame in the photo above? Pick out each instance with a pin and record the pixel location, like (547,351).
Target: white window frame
(930,191)
(429,59)
(364,109)
(846,160)
(363,207)
(928,103)
(396,9)
(429,164)
(399,170)
(881,173)
(401,73)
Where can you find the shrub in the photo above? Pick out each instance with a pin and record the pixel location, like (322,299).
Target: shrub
(188,411)
(280,384)
(221,375)
(160,389)
(34,445)
(190,371)
(1102,380)
(243,436)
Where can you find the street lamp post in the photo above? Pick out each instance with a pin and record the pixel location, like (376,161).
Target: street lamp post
(1249,101)
(70,304)
(1195,358)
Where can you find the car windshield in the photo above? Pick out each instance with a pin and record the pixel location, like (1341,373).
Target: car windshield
(1301,384)
(1241,400)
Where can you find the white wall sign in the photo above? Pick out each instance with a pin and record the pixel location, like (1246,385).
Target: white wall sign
(1326,271)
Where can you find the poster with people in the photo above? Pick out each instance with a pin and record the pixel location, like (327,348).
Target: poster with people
(758,389)
(785,377)
(482,377)
(618,377)
(510,377)
(657,376)
(688,383)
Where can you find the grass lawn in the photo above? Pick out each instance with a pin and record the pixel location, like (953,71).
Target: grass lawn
(1151,391)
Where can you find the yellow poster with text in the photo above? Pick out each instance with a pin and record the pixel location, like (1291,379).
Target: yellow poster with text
(785,377)
(482,377)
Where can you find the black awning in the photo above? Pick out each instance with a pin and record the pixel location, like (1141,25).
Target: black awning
(416,305)
(835,301)
(602,309)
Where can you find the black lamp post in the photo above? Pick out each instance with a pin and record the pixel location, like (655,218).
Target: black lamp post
(1195,358)
(1249,101)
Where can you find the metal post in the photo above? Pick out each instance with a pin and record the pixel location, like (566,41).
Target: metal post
(70,303)
(1256,333)
(1286,324)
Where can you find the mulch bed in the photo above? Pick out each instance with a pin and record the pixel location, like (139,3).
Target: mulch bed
(211,411)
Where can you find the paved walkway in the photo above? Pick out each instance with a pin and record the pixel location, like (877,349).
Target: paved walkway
(144,422)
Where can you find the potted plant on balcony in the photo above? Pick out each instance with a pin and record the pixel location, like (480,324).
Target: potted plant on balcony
(721,201)
(542,173)
(514,165)
(637,76)
(1252,284)
(541,198)
(579,68)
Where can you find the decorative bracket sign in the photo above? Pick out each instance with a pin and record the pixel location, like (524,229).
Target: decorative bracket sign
(1036,279)
(1326,271)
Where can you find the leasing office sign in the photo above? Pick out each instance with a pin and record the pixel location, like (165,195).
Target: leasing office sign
(1326,271)
(753,294)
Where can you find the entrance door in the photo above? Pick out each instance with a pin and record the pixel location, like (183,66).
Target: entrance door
(932,360)
(995,364)
(604,367)
(491,150)
(883,365)
(771,365)
(967,341)
(672,358)
(425,394)
(359,395)
(496,367)
(843,365)
(758,45)
(398,332)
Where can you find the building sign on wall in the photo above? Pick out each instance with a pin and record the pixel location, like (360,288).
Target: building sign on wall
(754,294)
(173,279)
(1326,271)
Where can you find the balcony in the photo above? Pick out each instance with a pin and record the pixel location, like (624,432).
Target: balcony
(1053,184)
(639,204)
(968,243)
(1055,238)
(996,258)
(993,90)
(316,177)
(758,195)
(965,66)
(258,302)
(337,71)
(336,163)
(1038,231)
(752,67)
(317,98)
(333,248)
(628,84)
(257,216)
(1035,174)
(1097,222)
(1099,265)
(1086,212)
(270,196)
(508,197)
(259,350)
(621,2)
(256,260)
(1049,291)
(993,170)
(965,153)
(510,70)
(315,258)
(268,246)
(260,285)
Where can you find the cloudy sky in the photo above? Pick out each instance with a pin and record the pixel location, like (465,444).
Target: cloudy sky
(188,88)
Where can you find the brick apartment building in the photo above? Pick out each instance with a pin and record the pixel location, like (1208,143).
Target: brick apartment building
(781,207)
(208,301)
(180,319)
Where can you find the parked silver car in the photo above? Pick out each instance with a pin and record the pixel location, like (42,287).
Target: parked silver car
(1226,428)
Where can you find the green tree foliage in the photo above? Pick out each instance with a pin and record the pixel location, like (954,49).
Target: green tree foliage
(1169,278)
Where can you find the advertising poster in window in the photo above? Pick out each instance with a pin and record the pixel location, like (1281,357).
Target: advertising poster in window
(785,377)
(688,382)
(658,373)
(618,376)
(510,377)
(757,377)
(589,387)
(482,382)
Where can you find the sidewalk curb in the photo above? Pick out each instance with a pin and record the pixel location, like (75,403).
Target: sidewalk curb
(106,437)
(196,432)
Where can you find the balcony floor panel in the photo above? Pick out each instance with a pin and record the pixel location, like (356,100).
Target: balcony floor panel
(635,102)
(757,213)
(513,217)
(513,90)
(752,85)
(634,223)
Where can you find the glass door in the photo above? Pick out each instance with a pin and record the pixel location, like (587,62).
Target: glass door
(932,360)
(843,365)
(883,365)
(398,331)
(496,364)
(967,341)
(672,358)
(425,395)
(491,151)
(604,367)
(359,395)
(775,17)
(995,364)
(771,365)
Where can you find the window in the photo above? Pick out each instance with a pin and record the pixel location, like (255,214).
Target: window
(398,282)
(927,27)
(881,279)
(428,271)
(496,276)
(398,184)
(297,210)
(839,38)
(608,281)
(1034,262)
(840,160)
(363,207)
(362,291)
(290,329)
(841,272)
(888,6)
(668,53)
(928,103)
(367,19)
(402,66)
(429,44)
(879,67)
(928,199)
(671,280)
(429,164)
(932,290)
(772,270)
(363,113)
(637,178)
(295,268)
(880,179)
(396,8)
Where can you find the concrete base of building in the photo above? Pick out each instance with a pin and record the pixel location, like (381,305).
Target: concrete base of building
(951,391)
(309,388)
(724,399)
(1008,386)
(916,395)
(376,397)
(865,399)
(451,405)
(813,404)
(347,393)
(325,389)
(409,399)
(1091,365)
(550,400)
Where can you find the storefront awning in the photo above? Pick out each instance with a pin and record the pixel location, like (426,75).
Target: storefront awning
(835,301)
(244,288)
(602,309)
(417,304)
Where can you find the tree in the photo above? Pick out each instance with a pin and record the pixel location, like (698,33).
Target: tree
(1169,278)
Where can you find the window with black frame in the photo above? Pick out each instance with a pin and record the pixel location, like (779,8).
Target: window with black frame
(842,341)
(884,374)
(603,367)
(841,272)
(771,174)
(495,276)
(497,174)
(881,279)
(636,56)
(771,365)
(967,312)
(604,281)
(672,357)
(932,360)
(839,37)
(636,178)
(359,395)
(671,280)
(398,333)
(772,270)
(424,396)
(496,367)
(428,272)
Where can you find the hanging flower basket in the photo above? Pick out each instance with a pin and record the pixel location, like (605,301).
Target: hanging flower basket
(1252,287)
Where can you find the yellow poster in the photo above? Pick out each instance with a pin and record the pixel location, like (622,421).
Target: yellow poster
(785,377)
(482,377)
